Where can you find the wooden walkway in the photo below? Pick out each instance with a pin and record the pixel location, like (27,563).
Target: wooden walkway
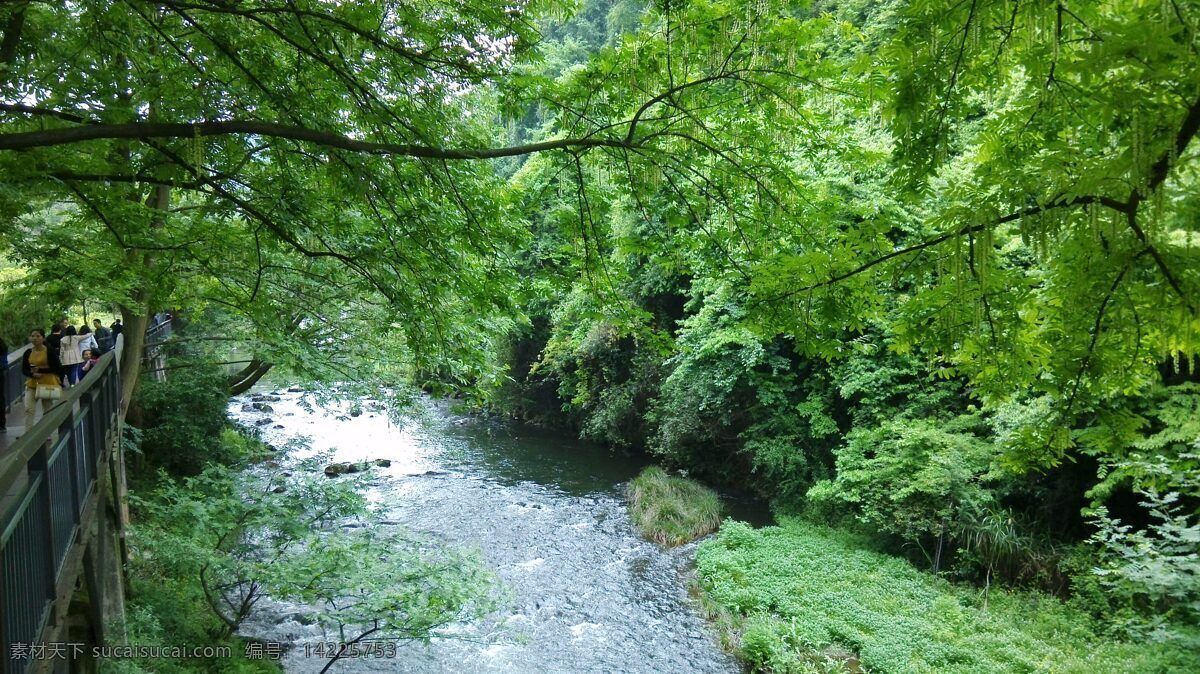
(16,426)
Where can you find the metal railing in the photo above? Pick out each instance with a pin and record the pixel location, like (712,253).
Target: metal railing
(159,329)
(48,481)
(13,380)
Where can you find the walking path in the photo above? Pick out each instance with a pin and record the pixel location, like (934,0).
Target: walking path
(16,426)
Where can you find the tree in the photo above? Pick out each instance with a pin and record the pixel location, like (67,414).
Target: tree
(316,143)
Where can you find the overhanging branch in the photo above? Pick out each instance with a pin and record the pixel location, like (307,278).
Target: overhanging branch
(147,130)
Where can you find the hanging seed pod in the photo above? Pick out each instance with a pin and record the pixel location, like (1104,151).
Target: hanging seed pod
(1159,205)
(197,149)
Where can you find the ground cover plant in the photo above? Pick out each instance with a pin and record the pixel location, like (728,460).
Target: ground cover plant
(803,597)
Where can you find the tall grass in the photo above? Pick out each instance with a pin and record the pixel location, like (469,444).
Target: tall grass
(672,510)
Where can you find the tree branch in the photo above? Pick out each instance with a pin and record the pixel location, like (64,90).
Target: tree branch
(970,229)
(147,130)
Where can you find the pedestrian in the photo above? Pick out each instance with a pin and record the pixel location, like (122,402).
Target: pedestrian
(3,386)
(41,365)
(104,336)
(87,340)
(90,358)
(116,328)
(54,341)
(70,356)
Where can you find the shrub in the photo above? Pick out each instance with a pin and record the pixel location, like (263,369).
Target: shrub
(182,420)
(909,477)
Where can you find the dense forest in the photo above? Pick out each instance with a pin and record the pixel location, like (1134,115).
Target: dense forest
(927,271)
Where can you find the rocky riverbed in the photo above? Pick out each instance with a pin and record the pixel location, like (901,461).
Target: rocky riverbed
(545,512)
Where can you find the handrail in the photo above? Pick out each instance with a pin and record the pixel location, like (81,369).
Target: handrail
(13,373)
(24,448)
(51,475)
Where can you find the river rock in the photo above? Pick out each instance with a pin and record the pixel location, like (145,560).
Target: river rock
(335,469)
(278,490)
(304,619)
(264,421)
(343,468)
(295,389)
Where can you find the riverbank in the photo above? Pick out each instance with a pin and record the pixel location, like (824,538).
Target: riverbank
(800,597)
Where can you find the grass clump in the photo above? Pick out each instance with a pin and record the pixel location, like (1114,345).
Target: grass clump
(806,598)
(672,510)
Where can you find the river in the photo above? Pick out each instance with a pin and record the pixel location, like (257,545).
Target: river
(545,512)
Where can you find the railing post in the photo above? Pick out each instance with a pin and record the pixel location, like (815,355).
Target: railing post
(39,464)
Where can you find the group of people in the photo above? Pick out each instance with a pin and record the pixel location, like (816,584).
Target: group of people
(57,361)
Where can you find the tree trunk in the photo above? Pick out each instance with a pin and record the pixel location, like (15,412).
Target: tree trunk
(236,378)
(243,381)
(136,315)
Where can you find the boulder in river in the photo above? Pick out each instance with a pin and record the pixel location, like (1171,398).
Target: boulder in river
(335,469)
(264,421)
(343,467)
(295,389)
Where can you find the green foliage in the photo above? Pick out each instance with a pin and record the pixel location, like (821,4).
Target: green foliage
(672,510)
(1149,446)
(811,598)
(229,537)
(923,259)
(24,306)
(183,420)
(1158,566)
(910,477)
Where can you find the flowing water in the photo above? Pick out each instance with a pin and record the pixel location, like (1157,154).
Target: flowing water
(546,514)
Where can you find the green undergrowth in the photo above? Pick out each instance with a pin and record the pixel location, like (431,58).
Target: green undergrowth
(672,510)
(166,604)
(799,597)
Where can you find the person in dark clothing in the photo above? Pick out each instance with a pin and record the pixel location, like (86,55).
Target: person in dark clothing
(104,336)
(116,328)
(3,386)
(54,339)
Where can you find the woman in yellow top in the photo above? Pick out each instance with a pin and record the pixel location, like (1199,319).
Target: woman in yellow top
(43,368)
